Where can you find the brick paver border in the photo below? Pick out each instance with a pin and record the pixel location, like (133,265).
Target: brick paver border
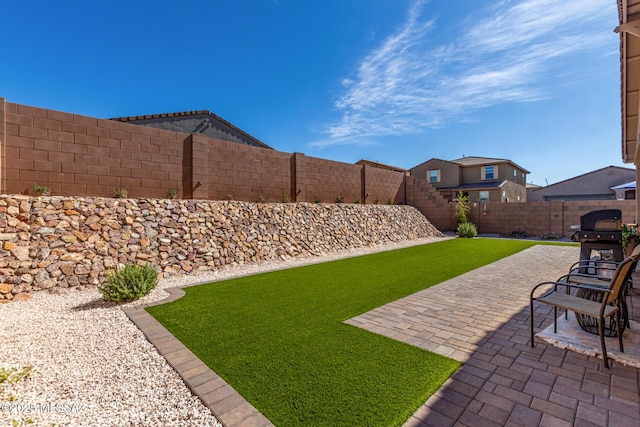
(224,402)
(503,382)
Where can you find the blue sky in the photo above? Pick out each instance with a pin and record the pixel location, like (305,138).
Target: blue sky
(394,81)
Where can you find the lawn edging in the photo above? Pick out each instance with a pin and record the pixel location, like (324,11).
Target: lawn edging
(224,402)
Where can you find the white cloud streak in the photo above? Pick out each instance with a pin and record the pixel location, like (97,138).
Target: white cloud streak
(408,85)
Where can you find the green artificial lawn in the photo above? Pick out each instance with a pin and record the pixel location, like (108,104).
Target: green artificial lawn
(279,340)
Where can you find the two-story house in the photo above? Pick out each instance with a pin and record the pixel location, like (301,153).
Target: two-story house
(482,179)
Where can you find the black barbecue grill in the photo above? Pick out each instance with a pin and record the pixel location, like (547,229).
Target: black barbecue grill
(601,231)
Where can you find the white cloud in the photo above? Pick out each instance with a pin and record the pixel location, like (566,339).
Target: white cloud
(408,84)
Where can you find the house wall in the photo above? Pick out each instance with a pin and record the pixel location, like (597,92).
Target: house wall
(449,172)
(515,193)
(472,174)
(590,186)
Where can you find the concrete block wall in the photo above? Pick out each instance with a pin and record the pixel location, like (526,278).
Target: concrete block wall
(380,183)
(425,198)
(76,155)
(538,218)
(239,172)
(79,155)
(325,180)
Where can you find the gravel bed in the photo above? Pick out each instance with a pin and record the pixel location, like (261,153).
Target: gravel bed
(93,367)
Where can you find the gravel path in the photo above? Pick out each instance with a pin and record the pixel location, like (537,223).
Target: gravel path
(92,364)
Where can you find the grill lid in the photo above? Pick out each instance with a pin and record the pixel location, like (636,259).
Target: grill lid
(602,220)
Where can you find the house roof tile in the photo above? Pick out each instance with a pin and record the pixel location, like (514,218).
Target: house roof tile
(187,114)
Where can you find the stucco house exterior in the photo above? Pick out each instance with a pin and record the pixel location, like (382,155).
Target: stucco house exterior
(198,122)
(482,179)
(629,30)
(595,185)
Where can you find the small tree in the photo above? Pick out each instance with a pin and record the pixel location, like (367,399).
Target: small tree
(462,207)
(465,228)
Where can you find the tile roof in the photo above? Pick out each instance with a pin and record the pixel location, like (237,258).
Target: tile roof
(186,114)
(380,165)
(486,185)
(478,161)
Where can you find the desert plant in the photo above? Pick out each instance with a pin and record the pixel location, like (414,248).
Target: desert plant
(172,193)
(120,193)
(286,198)
(467,229)
(630,238)
(550,236)
(519,234)
(340,199)
(462,207)
(228,197)
(12,375)
(128,283)
(317,200)
(42,189)
(358,201)
(391,201)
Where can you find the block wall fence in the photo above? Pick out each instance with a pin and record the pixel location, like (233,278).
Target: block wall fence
(77,155)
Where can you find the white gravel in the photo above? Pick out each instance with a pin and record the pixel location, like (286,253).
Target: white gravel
(93,367)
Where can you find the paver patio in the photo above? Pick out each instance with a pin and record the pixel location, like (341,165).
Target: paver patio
(480,318)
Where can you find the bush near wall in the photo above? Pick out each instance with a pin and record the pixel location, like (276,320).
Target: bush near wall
(64,242)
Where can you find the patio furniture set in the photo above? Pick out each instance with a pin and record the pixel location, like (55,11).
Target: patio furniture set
(594,289)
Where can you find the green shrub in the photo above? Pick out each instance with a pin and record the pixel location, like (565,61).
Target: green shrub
(462,207)
(42,189)
(120,193)
(172,193)
(467,229)
(286,198)
(129,283)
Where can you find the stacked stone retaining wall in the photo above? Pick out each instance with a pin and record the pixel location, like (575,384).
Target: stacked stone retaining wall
(49,242)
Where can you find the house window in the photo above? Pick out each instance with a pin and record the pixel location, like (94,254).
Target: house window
(433,175)
(504,193)
(515,173)
(488,172)
(484,197)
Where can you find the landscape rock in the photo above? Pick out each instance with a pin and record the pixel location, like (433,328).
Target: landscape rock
(65,242)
